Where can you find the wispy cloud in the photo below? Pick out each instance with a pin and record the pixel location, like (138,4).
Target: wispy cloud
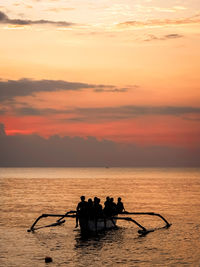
(128,112)
(59,9)
(160,22)
(31,111)
(149,9)
(23,4)
(4,19)
(91,115)
(113,90)
(163,38)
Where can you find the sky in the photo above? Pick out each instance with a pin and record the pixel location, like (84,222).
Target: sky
(98,82)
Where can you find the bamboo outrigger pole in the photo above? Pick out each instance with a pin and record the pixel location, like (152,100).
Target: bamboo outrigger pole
(59,222)
(143,231)
(149,213)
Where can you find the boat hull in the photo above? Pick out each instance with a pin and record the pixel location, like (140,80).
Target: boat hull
(96,226)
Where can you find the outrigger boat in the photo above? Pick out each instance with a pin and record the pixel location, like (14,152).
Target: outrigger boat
(100,224)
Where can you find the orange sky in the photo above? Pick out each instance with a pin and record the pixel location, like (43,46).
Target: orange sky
(126,71)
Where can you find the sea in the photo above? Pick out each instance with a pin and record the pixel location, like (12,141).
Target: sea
(26,193)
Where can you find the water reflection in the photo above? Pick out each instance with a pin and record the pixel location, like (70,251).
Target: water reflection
(97,241)
(100,248)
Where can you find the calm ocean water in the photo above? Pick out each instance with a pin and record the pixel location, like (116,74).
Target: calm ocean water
(26,193)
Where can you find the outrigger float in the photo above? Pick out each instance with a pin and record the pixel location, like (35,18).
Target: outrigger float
(100,224)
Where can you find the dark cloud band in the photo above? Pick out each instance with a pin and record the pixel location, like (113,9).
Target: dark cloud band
(24,87)
(33,150)
(128,112)
(110,113)
(10,89)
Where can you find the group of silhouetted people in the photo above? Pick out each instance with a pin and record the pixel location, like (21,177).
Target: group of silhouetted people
(92,209)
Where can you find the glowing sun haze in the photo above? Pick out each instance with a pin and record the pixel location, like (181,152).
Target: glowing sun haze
(124,71)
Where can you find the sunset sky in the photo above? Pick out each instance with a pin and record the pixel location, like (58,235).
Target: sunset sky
(123,72)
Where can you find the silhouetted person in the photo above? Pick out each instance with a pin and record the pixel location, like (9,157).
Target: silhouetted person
(81,209)
(107,202)
(120,206)
(107,207)
(90,209)
(98,211)
(97,207)
(113,207)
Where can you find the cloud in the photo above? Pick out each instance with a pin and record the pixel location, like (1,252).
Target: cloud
(159,22)
(173,36)
(36,151)
(150,9)
(4,19)
(2,111)
(30,111)
(163,38)
(2,129)
(10,89)
(128,112)
(195,118)
(59,9)
(23,4)
(114,90)
(91,115)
